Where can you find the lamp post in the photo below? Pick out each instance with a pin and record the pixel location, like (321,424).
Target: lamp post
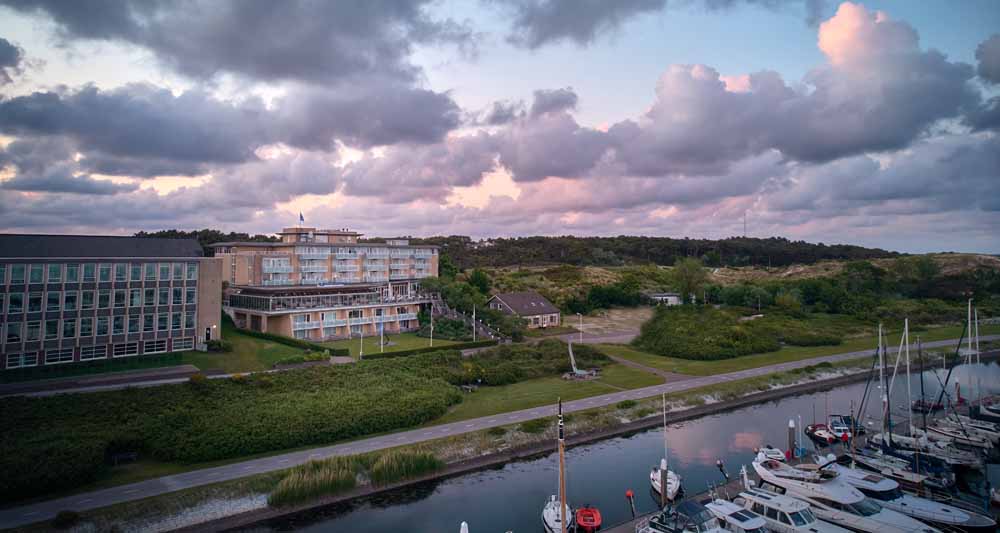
(581,327)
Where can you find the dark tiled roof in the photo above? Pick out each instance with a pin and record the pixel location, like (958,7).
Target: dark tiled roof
(527,303)
(21,245)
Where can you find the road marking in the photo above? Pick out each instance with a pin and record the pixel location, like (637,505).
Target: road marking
(32,513)
(131,491)
(83,501)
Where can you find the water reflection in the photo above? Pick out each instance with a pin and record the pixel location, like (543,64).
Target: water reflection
(511,497)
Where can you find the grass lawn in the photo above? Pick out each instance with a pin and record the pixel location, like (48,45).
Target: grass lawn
(785,354)
(400,341)
(249,354)
(549,331)
(544,391)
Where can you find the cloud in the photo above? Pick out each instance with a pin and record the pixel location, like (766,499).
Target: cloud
(553,100)
(539,22)
(319,42)
(60,181)
(988,56)
(503,112)
(11,57)
(552,144)
(47,165)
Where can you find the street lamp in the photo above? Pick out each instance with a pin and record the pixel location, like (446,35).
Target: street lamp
(581,327)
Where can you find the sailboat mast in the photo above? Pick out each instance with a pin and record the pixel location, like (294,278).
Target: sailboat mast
(923,400)
(666,460)
(968,359)
(881,378)
(979,378)
(909,391)
(562,471)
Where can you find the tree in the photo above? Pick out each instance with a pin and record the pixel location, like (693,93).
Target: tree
(446,267)
(689,276)
(480,280)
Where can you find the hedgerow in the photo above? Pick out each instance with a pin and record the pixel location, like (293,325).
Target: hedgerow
(60,442)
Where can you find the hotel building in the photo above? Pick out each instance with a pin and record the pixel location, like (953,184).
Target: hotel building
(323,284)
(73,298)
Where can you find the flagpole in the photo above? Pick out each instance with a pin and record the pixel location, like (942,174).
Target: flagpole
(473,323)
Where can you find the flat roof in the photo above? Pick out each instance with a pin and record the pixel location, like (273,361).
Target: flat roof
(330,244)
(24,245)
(304,290)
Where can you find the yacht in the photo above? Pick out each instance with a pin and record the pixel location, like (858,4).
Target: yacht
(686,517)
(887,493)
(840,427)
(820,434)
(735,518)
(783,514)
(899,470)
(772,453)
(656,474)
(949,454)
(833,499)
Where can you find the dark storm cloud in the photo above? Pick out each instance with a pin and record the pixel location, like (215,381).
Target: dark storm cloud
(988,56)
(539,22)
(11,57)
(503,112)
(47,165)
(63,182)
(551,100)
(262,39)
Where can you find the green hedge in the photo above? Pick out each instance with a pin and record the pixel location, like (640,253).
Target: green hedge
(90,367)
(296,343)
(414,351)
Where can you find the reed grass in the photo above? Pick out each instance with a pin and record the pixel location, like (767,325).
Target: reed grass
(398,465)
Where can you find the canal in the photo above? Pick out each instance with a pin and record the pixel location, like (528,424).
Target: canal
(511,497)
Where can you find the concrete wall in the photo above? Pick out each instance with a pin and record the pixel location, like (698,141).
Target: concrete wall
(209,299)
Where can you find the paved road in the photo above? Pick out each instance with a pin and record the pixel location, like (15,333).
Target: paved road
(27,514)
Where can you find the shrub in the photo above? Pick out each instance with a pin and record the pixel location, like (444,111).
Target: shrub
(535,426)
(414,351)
(65,519)
(393,466)
(219,345)
(496,431)
(644,412)
(296,343)
(198,380)
(313,480)
(626,404)
(304,358)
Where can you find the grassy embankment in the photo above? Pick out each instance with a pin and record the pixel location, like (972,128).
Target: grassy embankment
(394,343)
(249,354)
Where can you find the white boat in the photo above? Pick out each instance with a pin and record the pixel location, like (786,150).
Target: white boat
(888,494)
(958,436)
(735,518)
(839,427)
(656,474)
(685,517)
(557,517)
(984,430)
(949,454)
(833,499)
(783,514)
(771,452)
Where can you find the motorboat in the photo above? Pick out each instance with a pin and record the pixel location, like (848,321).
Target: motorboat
(588,519)
(557,516)
(888,494)
(833,499)
(783,514)
(949,454)
(685,517)
(772,453)
(840,428)
(656,475)
(900,471)
(735,518)
(926,406)
(820,434)
(847,421)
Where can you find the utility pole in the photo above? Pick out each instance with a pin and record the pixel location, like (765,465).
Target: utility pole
(744,224)
(473,323)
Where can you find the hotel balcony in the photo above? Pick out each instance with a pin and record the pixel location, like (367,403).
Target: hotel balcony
(346,268)
(276,282)
(422,274)
(334,322)
(395,276)
(348,279)
(306,325)
(307,257)
(276,269)
(375,266)
(345,255)
(377,255)
(422,253)
(313,268)
(375,279)
(401,253)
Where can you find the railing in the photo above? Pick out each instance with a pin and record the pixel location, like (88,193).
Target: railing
(334,322)
(346,268)
(395,277)
(313,268)
(377,255)
(375,266)
(276,282)
(400,264)
(306,257)
(419,253)
(348,279)
(306,325)
(276,269)
(376,278)
(401,253)
(345,255)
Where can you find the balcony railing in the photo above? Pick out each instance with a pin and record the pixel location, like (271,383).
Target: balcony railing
(419,275)
(399,276)
(345,255)
(375,266)
(276,269)
(348,279)
(276,282)
(376,278)
(313,268)
(306,325)
(307,257)
(401,253)
(422,253)
(334,322)
(377,255)
(346,268)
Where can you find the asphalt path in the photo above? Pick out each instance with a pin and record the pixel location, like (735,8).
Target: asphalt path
(27,514)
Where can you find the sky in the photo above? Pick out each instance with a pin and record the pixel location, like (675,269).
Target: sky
(869,123)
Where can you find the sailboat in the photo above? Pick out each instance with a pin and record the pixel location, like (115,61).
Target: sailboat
(557,517)
(656,475)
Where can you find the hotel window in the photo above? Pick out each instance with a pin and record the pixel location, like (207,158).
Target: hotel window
(147,322)
(118,325)
(3,299)
(135,272)
(120,297)
(161,321)
(175,321)
(102,325)
(87,326)
(51,329)
(126,349)
(189,320)
(159,346)
(164,271)
(13,332)
(16,274)
(178,296)
(178,271)
(35,274)
(150,271)
(88,272)
(93,352)
(64,355)
(35,302)
(3,273)
(16,302)
(135,298)
(104,273)
(19,360)
(55,273)
(72,273)
(183,344)
(190,295)
(86,300)
(164,297)
(134,322)
(103,299)
(121,272)
(69,329)
(33,331)
(52,302)
(149,296)
(192,271)
(69,300)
